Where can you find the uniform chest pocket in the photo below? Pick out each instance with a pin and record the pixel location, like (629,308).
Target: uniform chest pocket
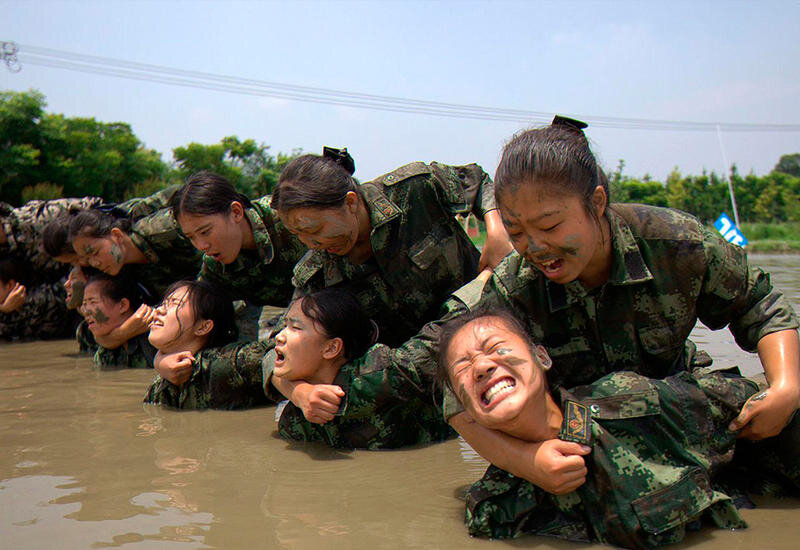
(660,339)
(425,252)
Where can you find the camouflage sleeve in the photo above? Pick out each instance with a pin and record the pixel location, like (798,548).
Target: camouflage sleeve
(739,295)
(43,315)
(139,207)
(464,189)
(228,377)
(160,233)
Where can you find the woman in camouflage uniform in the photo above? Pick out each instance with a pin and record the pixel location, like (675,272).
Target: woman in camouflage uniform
(660,448)
(107,303)
(393,242)
(199,365)
(323,331)
(246,249)
(618,287)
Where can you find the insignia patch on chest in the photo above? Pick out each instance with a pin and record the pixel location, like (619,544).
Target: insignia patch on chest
(575,426)
(385,207)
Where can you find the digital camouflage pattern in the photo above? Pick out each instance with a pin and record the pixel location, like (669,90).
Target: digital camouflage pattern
(228,377)
(170,255)
(23,227)
(380,410)
(43,315)
(668,271)
(140,207)
(657,449)
(85,338)
(136,353)
(262,276)
(420,253)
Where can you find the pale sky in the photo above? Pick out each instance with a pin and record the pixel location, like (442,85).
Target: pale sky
(728,62)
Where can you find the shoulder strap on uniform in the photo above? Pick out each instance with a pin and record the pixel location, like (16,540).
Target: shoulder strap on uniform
(403,173)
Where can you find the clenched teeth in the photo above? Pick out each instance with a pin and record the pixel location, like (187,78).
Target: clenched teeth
(503,386)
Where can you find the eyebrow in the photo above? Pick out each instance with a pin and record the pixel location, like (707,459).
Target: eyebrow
(199,229)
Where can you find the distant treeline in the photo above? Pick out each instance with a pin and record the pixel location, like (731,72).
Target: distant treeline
(44,155)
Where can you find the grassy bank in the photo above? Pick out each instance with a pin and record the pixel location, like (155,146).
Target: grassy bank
(778,238)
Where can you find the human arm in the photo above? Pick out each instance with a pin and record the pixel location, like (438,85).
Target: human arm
(497,245)
(318,402)
(554,465)
(15,299)
(766,413)
(136,324)
(175,367)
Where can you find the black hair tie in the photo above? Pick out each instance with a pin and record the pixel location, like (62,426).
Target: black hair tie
(572,123)
(340,157)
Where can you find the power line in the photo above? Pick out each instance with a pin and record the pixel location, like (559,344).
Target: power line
(119,68)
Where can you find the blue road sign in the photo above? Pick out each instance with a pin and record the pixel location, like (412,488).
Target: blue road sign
(729,231)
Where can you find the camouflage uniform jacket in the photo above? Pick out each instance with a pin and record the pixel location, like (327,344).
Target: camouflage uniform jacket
(262,276)
(136,353)
(228,377)
(23,227)
(379,411)
(170,255)
(43,315)
(420,253)
(140,207)
(656,447)
(85,338)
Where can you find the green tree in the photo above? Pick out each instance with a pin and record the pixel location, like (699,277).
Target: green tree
(249,166)
(789,164)
(20,142)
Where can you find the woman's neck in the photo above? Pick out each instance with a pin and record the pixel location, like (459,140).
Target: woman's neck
(599,267)
(362,250)
(130,253)
(327,373)
(248,237)
(539,421)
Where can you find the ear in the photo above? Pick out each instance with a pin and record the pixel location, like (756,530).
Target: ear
(599,200)
(351,201)
(237,211)
(542,357)
(117,233)
(333,348)
(203,327)
(124,305)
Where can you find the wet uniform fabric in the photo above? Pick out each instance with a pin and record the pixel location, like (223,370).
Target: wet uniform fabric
(136,353)
(262,276)
(657,449)
(668,271)
(43,315)
(170,255)
(421,254)
(228,377)
(379,411)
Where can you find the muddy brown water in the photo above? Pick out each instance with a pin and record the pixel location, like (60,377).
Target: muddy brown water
(83,464)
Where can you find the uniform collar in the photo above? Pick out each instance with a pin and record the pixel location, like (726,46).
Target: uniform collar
(627,266)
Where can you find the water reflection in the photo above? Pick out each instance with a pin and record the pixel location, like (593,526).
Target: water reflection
(83,464)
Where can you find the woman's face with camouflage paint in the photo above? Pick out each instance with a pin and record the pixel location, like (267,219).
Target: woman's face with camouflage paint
(103,253)
(102,314)
(554,232)
(334,230)
(496,375)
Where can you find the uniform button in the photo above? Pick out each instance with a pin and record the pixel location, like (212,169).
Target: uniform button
(594,408)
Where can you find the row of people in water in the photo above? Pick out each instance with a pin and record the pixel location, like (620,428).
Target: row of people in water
(610,290)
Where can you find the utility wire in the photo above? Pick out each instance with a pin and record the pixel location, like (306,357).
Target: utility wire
(106,66)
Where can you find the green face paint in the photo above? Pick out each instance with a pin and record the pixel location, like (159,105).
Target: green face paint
(99,316)
(510,359)
(462,394)
(76,294)
(116,253)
